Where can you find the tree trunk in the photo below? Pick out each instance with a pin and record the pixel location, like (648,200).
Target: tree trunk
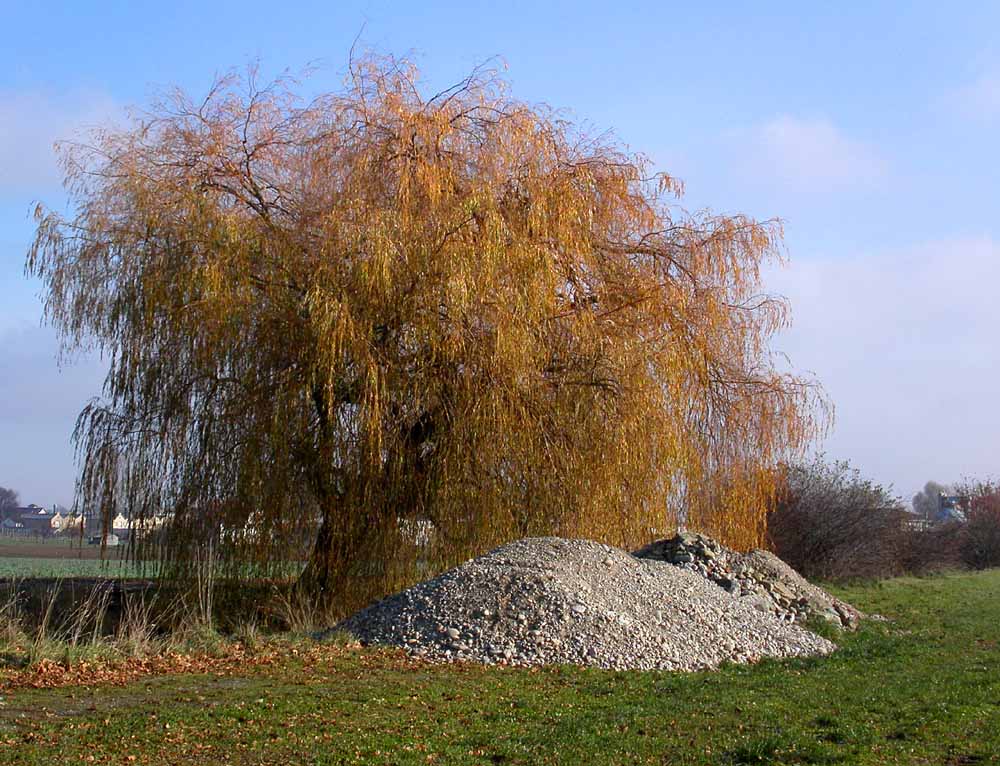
(316,581)
(325,580)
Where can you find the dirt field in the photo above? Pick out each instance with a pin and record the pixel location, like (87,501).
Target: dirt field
(34,548)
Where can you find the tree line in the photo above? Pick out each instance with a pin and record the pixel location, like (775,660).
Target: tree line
(830,522)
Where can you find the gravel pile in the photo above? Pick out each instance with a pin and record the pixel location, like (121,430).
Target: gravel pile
(549,600)
(758,575)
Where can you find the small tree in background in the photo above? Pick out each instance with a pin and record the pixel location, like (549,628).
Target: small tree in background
(831,523)
(980,537)
(9,500)
(380,311)
(927,502)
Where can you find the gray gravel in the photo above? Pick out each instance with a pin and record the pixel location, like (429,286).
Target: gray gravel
(756,575)
(547,600)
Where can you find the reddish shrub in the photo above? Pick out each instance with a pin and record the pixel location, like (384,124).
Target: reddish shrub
(980,540)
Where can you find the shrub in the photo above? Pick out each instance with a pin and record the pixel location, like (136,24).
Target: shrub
(831,523)
(979,546)
(932,549)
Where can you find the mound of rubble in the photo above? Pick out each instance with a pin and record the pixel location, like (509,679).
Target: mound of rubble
(758,576)
(549,600)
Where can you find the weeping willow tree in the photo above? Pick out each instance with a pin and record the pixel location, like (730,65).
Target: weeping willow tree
(339,327)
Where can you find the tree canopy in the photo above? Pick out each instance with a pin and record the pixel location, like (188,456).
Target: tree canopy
(9,500)
(927,502)
(338,326)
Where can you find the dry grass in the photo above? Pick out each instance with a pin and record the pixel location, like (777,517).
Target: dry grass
(86,632)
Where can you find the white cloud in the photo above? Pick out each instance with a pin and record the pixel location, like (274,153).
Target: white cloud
(809,155)
(979,99)
(906,344)
(30,124)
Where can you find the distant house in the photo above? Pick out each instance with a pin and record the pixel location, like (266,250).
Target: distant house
(72,522)
(951,508)
(33,519)
(915,523)
(420,532)
(122,526)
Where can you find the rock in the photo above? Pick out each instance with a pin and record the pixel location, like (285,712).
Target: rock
(757,573)
(760,604)
(831,616)
(630,614)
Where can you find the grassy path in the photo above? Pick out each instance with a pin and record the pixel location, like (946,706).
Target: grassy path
(926,691)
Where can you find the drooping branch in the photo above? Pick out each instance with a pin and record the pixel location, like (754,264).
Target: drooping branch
(333,323)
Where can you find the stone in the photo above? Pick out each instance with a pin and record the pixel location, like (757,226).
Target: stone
(556,601)
(757,573)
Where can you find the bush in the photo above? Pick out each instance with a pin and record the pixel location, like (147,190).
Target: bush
(979,545)
(932,549)
(830,523)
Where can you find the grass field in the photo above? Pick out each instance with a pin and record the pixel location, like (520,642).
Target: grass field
(923,690)
(22,567)
(22,558)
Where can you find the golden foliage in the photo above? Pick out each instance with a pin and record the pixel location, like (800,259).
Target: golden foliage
(380,314)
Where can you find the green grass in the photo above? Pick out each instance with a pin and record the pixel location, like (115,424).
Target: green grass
(22,568)
(925,690)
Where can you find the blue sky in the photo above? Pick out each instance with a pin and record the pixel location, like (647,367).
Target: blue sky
(871,131)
